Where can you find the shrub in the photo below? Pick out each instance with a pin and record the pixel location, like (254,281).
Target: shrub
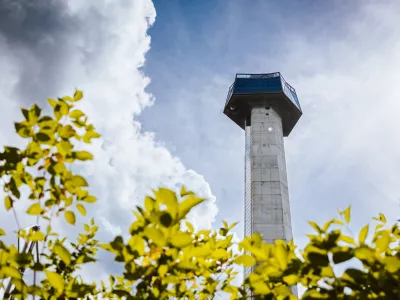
(164,257)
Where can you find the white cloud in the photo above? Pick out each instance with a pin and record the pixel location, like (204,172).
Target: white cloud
(343,151)
(347,140)
(345,148)
(106,44)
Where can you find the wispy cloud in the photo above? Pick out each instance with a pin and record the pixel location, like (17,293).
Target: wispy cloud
(343,60)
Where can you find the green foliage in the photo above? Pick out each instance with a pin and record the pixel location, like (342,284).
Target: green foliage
(315,268)
(162,256)
(164,260)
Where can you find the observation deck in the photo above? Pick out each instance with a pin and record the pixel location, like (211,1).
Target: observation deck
(262,90)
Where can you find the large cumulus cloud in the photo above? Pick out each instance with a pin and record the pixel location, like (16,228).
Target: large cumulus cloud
(48,48)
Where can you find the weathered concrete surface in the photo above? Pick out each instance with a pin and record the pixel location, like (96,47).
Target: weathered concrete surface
(270,197)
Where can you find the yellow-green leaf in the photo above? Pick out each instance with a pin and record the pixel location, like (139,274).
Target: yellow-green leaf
(363,234)
(342,254)
(149,203)
(338,222)
(46,123)
(168,198)
(162,270)
(189,226)
(89,135)
(165,219)
(172,279)
(79,181)
(188,265)
(347,239)
(364,253)
(68,202)
(231,290)
(83,155)
(186,205)
(55,280)
(291,279)
(78,95)
(25,112)
(66,132)
(90,199)
(63,253)
(205,232)
(181,240)
(64,147)
(281,256)
(382,217)
(35,111)
(260,288)
(36,236)
(52,102)
(70,217)
(23,130)
(225,224)
(59,168)
(57,111)
(392,264)
(81,209)
(42,137)
(327,272)
(382,241)
(76,114)
(137,243)
(67,98)
(8,202)
(81,193)
(315,226)
(347,214)
(199,252)
(184,192)
(2,232)
(219,253)
(329,223)
(233,225)
(155,235)
(258,253)
(11,272)
(34,209)
(245,260)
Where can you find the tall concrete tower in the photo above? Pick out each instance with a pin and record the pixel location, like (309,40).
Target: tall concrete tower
(267,108)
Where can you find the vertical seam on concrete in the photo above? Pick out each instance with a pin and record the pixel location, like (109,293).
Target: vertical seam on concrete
(248,207)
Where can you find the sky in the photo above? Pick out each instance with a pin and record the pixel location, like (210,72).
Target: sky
(341,56)
(155,76)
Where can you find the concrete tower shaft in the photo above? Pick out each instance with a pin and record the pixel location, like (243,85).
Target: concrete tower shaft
(270,207)
(267,108)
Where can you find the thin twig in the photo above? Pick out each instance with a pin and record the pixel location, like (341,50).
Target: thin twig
(1,259)
(34,283)
(37,217)
(45,238)
(16,218)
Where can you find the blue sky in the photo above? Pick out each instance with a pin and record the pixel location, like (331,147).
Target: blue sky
(156,76)
(196,49)
(226,35)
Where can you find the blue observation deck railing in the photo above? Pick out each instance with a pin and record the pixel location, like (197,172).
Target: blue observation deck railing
(262,83)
